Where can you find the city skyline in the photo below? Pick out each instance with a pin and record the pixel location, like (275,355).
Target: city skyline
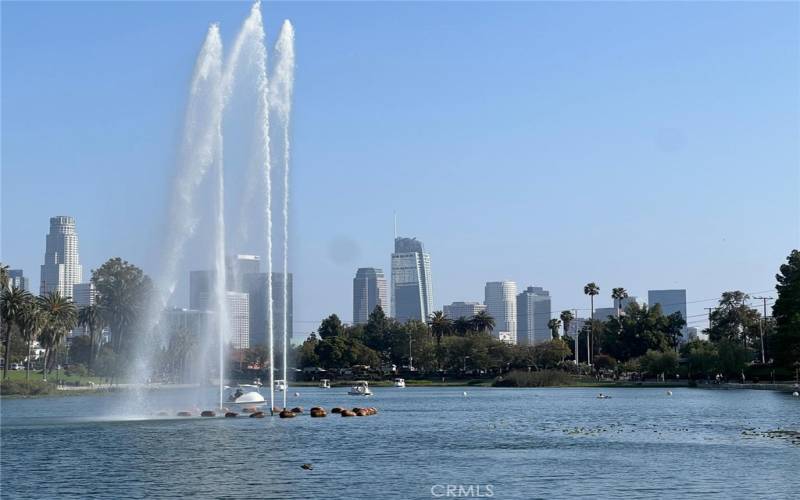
(544,143)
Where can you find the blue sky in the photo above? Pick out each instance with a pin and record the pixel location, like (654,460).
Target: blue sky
(644,145)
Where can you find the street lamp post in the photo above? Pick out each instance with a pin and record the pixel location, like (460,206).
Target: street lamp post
(465,364)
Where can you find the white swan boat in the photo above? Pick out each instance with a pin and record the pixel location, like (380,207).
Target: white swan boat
(245,395)
(400,382)
(361,388)
(280,385)
(324,384)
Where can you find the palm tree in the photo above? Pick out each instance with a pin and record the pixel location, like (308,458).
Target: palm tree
(618,294)
(591,289)
(482,322)
(554,324)
(440,326)
(12,303)
(31,323)
(566,319)
(90,317)
(462,326)
(62,316)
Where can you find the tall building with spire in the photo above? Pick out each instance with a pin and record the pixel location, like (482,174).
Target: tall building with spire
(369,292)
(62,268)
(412,290)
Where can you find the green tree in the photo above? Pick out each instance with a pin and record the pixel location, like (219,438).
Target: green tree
(440,326)
(12,306)
(62,316)
(123,291)
(702,358)
(31,323)
(549,354)
(554,324)
(659,363)
(482,322)
(786,313)
(4,279)
(566,319)
(590,289)
(732,357)
(330,327)
(733,319)
(462,326)
(90,317)
(307,355)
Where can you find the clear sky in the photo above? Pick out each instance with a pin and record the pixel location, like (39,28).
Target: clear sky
(644,145)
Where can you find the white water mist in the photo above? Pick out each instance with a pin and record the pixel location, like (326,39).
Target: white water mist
(281,89)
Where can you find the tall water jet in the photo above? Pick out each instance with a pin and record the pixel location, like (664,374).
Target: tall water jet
(282,87)
(198,151)
(250,39)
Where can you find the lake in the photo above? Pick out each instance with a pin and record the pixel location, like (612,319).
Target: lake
(500,443)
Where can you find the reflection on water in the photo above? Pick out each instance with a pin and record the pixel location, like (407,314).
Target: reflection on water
(526,443)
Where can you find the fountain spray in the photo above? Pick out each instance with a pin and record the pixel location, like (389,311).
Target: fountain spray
(282,88)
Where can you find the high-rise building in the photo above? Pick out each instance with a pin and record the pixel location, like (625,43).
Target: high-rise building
(412,290)
(255,285)
(623,303)
(575,326)
(61,269)
(84,294)
(501,304)
(201,288)
(463,309)
(671,301)
(369,291)
(533,314)
(16,279)
(236,266)
(239,314)
(603,313)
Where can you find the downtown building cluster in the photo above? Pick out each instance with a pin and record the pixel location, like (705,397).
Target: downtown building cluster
(520,316)
(246,290)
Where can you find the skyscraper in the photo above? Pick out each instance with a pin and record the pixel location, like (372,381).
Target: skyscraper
(239,313)
(533,314)
(412,291)
(671,301)
(61,269)
(369,291)
(501,304)
(236,266)
(16,279)
(255,285)
(201,288)
(463,309)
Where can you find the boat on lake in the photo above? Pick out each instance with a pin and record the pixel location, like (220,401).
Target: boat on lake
(361,388)
(245,394)
(400,382)
(324,384)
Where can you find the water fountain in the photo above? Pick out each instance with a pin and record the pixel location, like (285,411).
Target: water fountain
(213,84)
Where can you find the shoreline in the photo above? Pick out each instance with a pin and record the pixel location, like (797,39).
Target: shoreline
(786,387)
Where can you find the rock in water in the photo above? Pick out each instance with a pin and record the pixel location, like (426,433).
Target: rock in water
(208,413)
(258,414)
(231,414)
(286,414)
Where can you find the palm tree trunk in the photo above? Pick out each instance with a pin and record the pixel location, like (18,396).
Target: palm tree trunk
(91,347)
(7,356)
(44,366)
(28,367)
(590,333)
